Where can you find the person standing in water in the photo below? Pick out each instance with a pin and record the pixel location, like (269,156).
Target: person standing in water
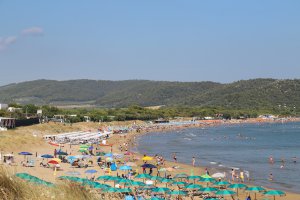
(174,157)
(193,161)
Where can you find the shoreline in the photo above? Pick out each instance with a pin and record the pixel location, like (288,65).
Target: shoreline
(201,168)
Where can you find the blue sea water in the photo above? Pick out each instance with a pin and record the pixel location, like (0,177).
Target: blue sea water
(244,146)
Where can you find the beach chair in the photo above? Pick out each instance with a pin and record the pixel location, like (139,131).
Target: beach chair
(31,163)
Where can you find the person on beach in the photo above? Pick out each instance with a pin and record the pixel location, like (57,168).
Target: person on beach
(193,161)
(248,198)
(174,157)
(206,171)
(271,160)
(242,176)
(232,174)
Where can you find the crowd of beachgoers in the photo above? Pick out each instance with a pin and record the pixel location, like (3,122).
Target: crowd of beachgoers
(109,165)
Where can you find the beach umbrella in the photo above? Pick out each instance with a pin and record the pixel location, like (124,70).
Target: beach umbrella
(208,189)
(178,192)
(206,176)
(145,158)
(207,180)
(218,175)
(237,186)
(125,167)
(24,176)
(179,183)
(125,181)
(84,146)
(193,186)
(62,153)
(108,155)
(82,150)
(225,192)
(143,176)
(156,178)
(73,173)
(221,183)
(182,175)
(255,189)
(53,162)
(97,185)
(105,177)
(25,153)
(160,190)
(274,193)
(136,183)
(111,190)
(148,166)
(47,156)
(91,171)
(125,190)
(57,159)
(109,159)
(212,198)
(193,178)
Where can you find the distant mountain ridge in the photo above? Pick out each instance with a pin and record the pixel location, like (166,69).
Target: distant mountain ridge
(253,93)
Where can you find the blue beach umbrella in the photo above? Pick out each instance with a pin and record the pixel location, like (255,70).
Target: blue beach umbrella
(108,155)
(125,167)
(73,173)
(25,153)
(47,156)
(91,171)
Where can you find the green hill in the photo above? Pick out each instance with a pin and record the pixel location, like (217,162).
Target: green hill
(255,93)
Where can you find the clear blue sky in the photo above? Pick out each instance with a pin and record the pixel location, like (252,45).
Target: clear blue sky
(187,40)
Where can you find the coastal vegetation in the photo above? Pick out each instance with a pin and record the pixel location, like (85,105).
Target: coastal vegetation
(277,96)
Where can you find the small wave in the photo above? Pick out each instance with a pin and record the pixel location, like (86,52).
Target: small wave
(187,138)
(213,163)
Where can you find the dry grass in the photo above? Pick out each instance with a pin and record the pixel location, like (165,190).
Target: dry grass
(13,188)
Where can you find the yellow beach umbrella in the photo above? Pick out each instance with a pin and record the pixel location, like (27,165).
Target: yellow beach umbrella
(147,158)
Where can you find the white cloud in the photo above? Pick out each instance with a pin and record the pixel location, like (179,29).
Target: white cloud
(7,41)
(33,31)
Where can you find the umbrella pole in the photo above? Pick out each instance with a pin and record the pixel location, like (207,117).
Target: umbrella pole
(255,196)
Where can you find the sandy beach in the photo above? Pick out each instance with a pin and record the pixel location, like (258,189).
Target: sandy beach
(31,139)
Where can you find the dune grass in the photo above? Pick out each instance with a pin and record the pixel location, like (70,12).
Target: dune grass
(13,188)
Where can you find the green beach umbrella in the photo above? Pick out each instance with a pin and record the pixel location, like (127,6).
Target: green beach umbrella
(221,183)
(237,186)
(156,178)
(274,193)
(178,192)
(124,190)
(105,177)
(206,176)
(225,192)
(212,198)
(208,189)
(136,183)
(156,198)
(193,178)
(193,186)
(125,181)
(143,176)
(255,189)
(179,183)
(112,190)
(160,190)
(182,175)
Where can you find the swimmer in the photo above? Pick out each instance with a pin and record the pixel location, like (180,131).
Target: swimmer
(271,160)
(270,177)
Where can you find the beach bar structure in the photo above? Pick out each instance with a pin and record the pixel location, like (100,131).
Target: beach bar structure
(7,122)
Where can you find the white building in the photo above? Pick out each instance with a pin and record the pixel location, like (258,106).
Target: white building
(3,106)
